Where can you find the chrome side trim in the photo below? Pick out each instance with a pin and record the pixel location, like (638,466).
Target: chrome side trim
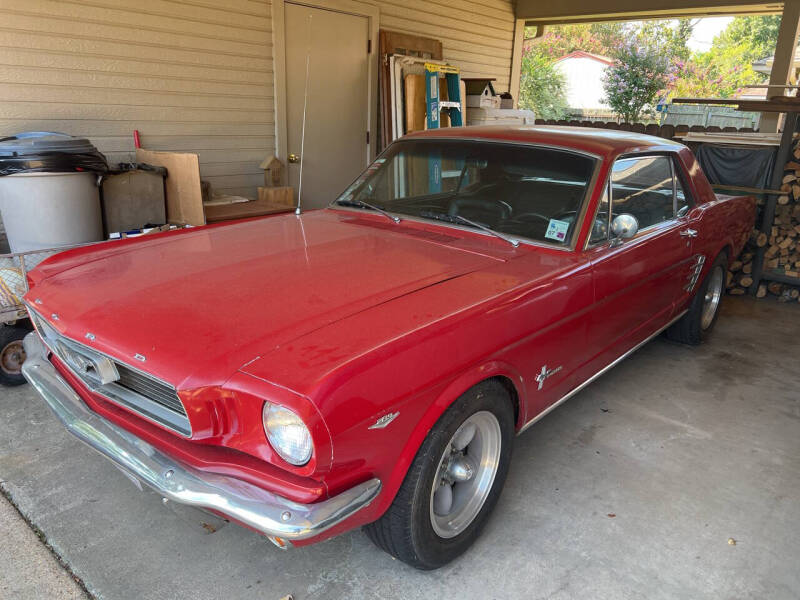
(264,511)
(601,372)
(697,268)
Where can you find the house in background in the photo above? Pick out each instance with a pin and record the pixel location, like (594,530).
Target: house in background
(584,74)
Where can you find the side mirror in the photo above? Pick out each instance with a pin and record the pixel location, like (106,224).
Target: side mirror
(623,227)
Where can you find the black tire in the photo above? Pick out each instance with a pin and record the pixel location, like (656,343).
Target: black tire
(690,329)
(406,531)
(12,355)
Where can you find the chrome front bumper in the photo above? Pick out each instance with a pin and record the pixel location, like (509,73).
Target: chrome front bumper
(251,505)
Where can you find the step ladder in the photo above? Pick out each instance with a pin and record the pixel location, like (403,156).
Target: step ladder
(433,105)
(434,108)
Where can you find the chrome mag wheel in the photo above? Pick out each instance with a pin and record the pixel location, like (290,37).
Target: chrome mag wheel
(712,297)
(465,474)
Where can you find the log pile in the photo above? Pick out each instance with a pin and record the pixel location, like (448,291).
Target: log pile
(783,252)
(781,243)
(740,270)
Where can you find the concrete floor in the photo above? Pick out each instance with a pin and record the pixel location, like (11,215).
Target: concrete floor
(27,568)
(632,489)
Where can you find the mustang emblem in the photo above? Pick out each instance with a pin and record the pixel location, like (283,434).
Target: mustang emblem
(384,421)
(545,373)
(96,367)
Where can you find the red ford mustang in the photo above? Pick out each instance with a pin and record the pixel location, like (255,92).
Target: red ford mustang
(370,363)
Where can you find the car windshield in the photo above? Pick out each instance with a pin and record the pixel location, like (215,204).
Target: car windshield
(518,190)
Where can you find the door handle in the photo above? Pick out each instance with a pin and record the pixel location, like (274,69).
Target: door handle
(294,158)
(689,233)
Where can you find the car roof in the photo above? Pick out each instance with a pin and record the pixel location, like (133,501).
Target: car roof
(605,143)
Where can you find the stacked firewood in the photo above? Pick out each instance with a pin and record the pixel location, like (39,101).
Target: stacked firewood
(781,243)
(740,271)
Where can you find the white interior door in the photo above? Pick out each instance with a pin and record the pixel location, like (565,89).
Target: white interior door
(335,150)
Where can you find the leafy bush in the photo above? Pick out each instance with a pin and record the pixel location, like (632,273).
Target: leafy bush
(633,82)
(542,87)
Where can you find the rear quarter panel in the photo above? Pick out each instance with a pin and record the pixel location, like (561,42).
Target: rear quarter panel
(724,223)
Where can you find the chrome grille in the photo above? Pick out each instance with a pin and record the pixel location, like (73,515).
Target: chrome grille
(152,388)
(142,393)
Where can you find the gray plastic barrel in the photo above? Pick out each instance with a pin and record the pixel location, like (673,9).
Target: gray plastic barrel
(49,195)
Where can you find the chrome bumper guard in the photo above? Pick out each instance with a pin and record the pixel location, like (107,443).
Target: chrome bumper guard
(251,505)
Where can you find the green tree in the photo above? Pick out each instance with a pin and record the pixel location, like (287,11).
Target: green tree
(726,68)
(559,40)
(757,35)
(671,37)
(639,73)
(605,38)
(542,87)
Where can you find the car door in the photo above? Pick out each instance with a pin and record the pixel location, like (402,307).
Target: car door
(637,281)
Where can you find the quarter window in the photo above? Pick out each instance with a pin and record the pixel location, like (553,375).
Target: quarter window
(600,226)
(682,202)
(643,187)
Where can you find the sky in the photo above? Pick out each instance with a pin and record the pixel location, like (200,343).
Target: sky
(705,30)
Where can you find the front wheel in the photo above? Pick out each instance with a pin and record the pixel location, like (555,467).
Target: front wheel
(699,320)
(453,483)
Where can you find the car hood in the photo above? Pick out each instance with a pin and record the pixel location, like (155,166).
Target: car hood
(199,304)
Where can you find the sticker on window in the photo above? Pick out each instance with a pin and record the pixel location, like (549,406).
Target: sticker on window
(557,230)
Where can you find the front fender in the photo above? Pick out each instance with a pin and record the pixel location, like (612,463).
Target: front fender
(454,390)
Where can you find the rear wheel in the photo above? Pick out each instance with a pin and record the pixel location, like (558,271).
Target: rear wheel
(697,323)
(12,354)
(453,483)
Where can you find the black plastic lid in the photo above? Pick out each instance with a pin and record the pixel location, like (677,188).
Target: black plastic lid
(43,142)
(49,152)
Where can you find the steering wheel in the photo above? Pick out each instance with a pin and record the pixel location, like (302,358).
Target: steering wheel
(529,216)
(568,215)
(503,208)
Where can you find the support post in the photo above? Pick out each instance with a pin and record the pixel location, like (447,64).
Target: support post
(516,61)
(783,63)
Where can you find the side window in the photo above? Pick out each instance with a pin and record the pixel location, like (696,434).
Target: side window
(642,187)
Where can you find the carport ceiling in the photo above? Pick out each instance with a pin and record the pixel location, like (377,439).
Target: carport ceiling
(536,12)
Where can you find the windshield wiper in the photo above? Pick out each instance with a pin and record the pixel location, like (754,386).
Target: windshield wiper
(459,219)
(362,204)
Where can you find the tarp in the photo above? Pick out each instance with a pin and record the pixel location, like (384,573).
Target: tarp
(733,165)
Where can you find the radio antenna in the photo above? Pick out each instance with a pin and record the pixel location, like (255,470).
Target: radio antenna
(297,210)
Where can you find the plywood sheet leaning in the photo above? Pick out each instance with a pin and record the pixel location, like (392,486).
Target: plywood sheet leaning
(415,102)
(394,42)
(184,197)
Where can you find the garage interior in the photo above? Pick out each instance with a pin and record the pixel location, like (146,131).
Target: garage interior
(675,475)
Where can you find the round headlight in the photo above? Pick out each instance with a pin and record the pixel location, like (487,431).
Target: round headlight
(287,433)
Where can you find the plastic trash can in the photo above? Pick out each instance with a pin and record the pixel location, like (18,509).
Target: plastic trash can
(49,195)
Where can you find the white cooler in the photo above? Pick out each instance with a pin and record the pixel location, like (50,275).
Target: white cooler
(48,210)
(49,195)
(500,116)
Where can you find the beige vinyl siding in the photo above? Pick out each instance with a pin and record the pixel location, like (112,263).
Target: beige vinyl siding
(190,75)
(476,36)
